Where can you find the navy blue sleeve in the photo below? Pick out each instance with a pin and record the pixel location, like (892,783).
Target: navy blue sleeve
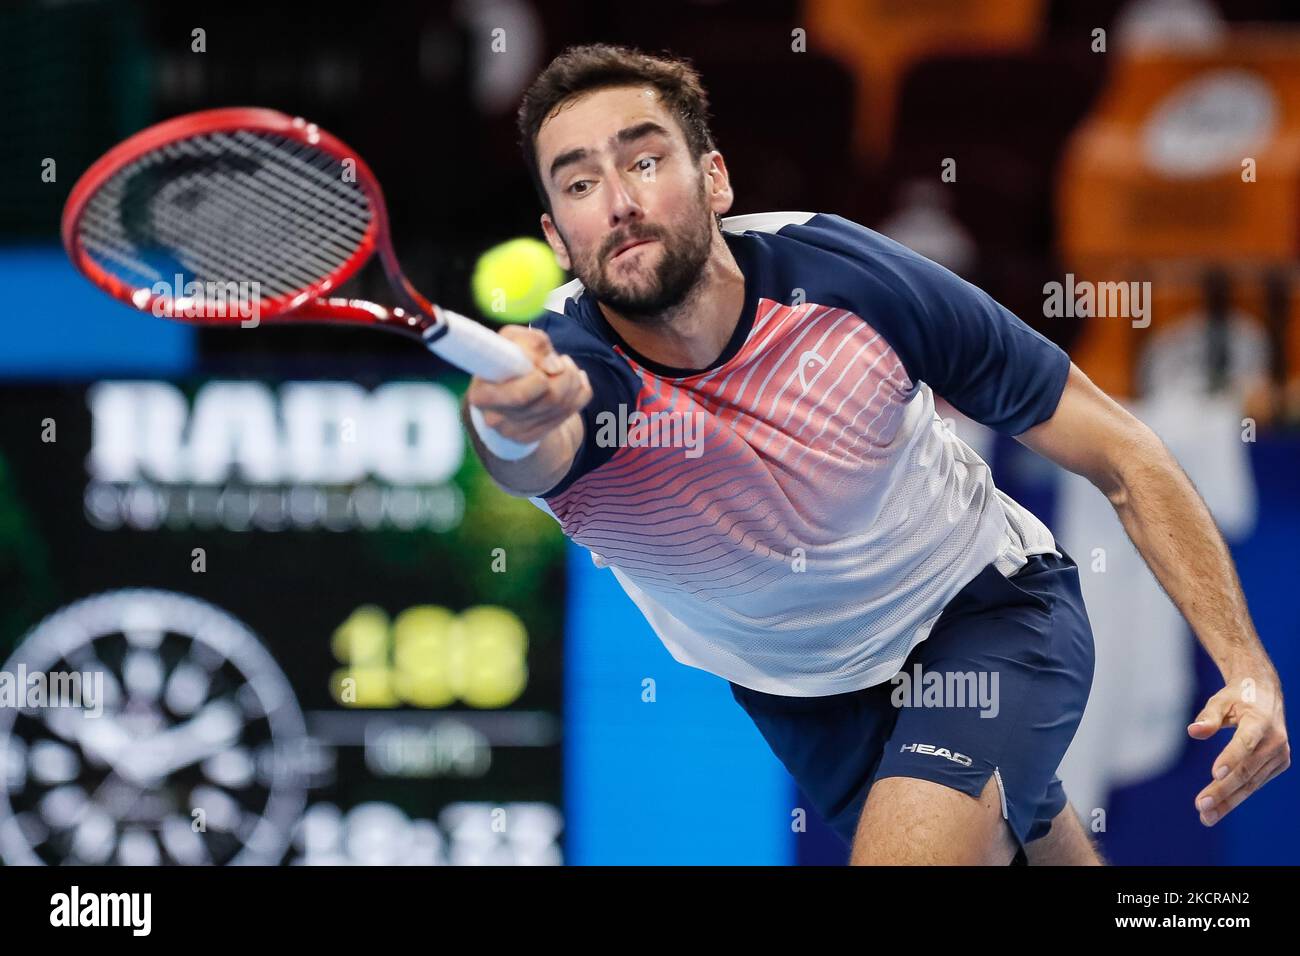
(950,334)
(612,383)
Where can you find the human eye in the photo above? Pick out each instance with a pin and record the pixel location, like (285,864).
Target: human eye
(571,188)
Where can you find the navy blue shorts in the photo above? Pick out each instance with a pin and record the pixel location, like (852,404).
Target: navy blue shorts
(1002,682)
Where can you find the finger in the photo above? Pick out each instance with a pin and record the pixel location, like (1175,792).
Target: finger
(559,400)
(533,430)
(521,426)
(1211,718)
(585,394)
(1234,779)
(567,394)
(536,344)
(561,389)
(516,395)
(572,390)
(1240,761)
(1252,730)
(526,337)
(570,398)
(1219,810)
(525,433)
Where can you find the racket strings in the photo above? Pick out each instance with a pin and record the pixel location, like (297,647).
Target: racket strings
(248,241)
(347,205)
(282,208)
(195,256)
(108,220)
(284,194)
(229,208)
(218,248)
(218,229)
(316,224)
(196,242)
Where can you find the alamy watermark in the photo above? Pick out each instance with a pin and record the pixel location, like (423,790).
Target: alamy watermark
(637,429)
(41,689)
(133,911)
(207,300)
(1084,299)
(923,688)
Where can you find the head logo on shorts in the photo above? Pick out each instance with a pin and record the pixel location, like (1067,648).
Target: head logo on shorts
(936,751)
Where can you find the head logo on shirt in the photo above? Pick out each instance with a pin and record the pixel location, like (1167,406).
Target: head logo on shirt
(810,363)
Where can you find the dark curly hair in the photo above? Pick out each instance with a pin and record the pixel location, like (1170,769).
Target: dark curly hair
(580,69)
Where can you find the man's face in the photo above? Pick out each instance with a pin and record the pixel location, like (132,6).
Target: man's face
(617,169)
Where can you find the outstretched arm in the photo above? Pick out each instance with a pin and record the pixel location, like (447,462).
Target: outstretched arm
(1093,436)
(541,406)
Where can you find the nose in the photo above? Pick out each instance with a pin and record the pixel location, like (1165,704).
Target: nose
(624,207)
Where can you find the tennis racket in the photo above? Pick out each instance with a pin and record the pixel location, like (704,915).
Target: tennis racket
(260,214)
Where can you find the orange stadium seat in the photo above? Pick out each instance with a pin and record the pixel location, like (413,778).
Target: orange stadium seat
(1156,185)
(879,39)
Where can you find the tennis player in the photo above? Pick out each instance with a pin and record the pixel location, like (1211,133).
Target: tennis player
(737,417)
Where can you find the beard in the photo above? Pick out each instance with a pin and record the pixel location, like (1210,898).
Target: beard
(643,294)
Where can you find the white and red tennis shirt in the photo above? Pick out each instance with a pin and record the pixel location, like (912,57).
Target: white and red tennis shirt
(794,517)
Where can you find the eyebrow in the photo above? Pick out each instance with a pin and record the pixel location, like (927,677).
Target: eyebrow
(622,137)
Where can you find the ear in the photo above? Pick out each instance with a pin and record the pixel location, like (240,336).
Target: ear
(553,239)
(718,182)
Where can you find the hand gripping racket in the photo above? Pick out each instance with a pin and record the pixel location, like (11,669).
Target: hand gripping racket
(263,214)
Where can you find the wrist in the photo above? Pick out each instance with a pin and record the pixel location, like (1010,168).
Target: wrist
(504,448)
(1249,665)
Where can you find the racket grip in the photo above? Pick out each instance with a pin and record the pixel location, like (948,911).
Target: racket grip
(480,351)
(476,349)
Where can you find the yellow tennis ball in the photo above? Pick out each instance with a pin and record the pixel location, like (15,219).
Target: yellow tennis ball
(512,280)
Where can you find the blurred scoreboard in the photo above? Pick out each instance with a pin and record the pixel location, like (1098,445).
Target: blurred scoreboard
(309,629)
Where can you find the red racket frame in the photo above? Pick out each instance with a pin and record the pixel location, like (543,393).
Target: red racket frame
(419,319)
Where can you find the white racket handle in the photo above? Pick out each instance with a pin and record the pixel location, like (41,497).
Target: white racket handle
(476,348)
(482,352)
